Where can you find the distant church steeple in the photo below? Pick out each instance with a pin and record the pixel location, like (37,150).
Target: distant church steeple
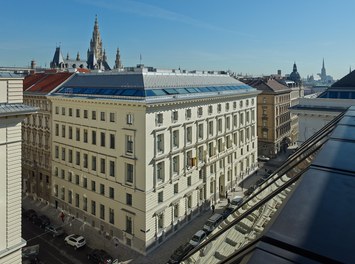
(118,63)
(323,72)
(96,56)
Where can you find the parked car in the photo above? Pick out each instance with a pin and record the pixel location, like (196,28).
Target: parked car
(212,223)
(263,158)
(76,241)
(249,190)
(55,231)
(42,221)
(198,237)
(29,213)
(235,202)
(180,253)
(100,256)
(227,212)
(30,254)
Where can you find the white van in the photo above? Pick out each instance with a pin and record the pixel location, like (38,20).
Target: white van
(212,223)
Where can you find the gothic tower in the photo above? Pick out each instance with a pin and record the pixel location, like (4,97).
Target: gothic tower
(118,63)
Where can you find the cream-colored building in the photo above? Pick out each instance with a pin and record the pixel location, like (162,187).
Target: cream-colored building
(36,133)
(12,112)
(138,154)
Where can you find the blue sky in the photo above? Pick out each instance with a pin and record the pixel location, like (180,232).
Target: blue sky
(254,37)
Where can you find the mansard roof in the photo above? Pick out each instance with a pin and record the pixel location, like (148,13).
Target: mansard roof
(44,82)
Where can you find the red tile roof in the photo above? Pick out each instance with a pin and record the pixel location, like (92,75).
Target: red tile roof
(44,82)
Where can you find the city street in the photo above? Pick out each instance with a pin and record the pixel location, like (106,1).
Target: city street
(52,250)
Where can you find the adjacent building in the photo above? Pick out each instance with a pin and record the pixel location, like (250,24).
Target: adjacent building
(37,133)
(316,111)
(274,120)
(138,154)
(12,112)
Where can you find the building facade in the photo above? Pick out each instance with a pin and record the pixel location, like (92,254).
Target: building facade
(37,134)
(12,112)
(274,120)
(141,157)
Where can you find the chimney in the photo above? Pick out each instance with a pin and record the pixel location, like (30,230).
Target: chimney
(279,72)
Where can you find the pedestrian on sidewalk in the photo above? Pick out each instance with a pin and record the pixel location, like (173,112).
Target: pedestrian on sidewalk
(229,200)
(212,207)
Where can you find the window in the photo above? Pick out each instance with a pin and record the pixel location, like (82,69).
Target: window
(102,165)
(228,121)
(227,106)
(112,141)
(200,131)
(111,216)
(241,103)
(175,164)
(129,173)
(57,130)
(63,154)
(86,114)
(160,197)
(199,111)
(220,125)
(176,188)
(112,117)
(93,163)
(189,160)
(103,139)
(77,200)
(129,119)
(93,137)
(85,182)
(56,190)
(161,221)
(159,119)
(102,211)
(264,100)
(63,131)
(70,132)
(129,224)
(102,116)
(56,152)
(219,108)
(111,193)
(77,179)
(57,110)
(235,120)
(93,186)
(210,109)
(85,136)
(112,168)
(200,154)
(176,138)
(264,111)
(160,171)
(234,105)
(210,149)
(93,207)
(128,199)
(175,116)
(62,193)
(188,113)
(77,132)
(85,203)
(160,143)
(210,128)
(93,115)
(129,144)
(78,158)
(264,134)
(70,198)
(70,111)
(189,181)
(189,134)
(189,202)
(85,160)
(241,118)
(264,123)
(77,112)
(102,189)
(176,210)
(70,156)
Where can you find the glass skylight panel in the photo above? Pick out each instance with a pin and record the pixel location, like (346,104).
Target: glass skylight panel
(170,91)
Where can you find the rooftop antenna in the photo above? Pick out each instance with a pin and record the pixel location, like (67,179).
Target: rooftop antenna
(140,58)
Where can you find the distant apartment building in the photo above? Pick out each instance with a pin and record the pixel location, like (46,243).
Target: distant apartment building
(12,112)
(274,120)
(36,133)
(138,154)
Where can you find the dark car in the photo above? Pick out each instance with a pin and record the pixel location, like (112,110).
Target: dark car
(180,253)
(29,213)
(227,212)
(42,221)
(100,256)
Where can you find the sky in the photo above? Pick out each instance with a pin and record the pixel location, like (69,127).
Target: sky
(255,37)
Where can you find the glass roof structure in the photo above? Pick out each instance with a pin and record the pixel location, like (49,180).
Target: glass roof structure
(303,213)
(151,85)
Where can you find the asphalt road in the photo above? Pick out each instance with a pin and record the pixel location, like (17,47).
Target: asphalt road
(52,250)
